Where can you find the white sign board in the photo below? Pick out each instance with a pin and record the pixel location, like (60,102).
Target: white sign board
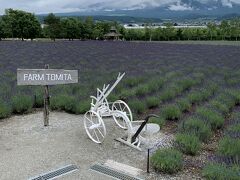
(46,76)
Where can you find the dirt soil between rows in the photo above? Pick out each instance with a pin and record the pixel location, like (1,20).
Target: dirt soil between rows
(28,149)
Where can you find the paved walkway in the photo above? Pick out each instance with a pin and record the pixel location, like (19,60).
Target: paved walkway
(28,149)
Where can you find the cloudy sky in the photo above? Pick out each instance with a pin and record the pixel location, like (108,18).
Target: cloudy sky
(46,6)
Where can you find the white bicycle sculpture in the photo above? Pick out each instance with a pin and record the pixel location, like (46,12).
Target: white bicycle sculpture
(122,115)
(100,107)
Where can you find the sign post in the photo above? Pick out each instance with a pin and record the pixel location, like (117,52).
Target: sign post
(46,77)
(46,103)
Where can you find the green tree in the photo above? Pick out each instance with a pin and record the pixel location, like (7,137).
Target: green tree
(212,30)
(88,28)
(148,32)
(158,34)
(135,34)
(224,29)
(32,29)
(100,29)
(130,34)
(198,33)
(6,29)
(21,24)
(122,30)
(1,30)
(53,26)
(80,29)
(179,34)
(235,28)
(205,34)
(169,31)
(188,34)
(70,28)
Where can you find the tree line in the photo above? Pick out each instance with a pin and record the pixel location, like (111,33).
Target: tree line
(227,30)
(24,25)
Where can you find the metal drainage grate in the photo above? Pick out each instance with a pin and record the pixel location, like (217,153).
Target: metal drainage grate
(56,173)
(113,173)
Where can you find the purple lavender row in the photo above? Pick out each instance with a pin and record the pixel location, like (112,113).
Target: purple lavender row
(232,134)
(228,160)
(233,122)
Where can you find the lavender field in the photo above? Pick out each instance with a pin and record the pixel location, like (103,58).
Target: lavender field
(99,62)
(195,89)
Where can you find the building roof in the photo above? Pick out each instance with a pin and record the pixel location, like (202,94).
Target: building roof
(113,29)
(112,34)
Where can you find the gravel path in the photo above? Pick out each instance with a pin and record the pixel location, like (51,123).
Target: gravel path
(28,149)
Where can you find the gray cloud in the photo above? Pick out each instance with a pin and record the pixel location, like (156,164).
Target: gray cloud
(46,6)
(180,6)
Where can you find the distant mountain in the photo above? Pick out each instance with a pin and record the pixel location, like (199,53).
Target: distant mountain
(172,9)
(121,19)
(126,19)
(229,16)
